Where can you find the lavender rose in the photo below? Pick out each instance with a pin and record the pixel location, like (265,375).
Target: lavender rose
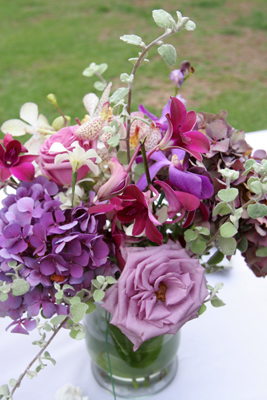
(61,173)
(159,290)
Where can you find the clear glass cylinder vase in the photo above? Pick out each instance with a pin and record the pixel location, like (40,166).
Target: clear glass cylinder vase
(135,374)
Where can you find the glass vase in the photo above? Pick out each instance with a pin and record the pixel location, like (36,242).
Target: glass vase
(135,374)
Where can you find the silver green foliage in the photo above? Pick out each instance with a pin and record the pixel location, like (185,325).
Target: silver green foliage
(119,94)
(95,69)
(196,239)
(132,39)
(168,53)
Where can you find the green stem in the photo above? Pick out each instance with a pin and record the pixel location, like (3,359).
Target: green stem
(143,152)
(73,183)
(107,316)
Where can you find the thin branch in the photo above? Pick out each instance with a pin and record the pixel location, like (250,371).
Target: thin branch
(37,356)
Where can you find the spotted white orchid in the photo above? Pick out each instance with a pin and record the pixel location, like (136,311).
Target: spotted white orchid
(99,114)
(77,157)
(36,125)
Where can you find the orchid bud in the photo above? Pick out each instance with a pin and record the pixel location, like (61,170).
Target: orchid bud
(52,99)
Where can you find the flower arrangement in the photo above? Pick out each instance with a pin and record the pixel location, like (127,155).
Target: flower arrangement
(120,208)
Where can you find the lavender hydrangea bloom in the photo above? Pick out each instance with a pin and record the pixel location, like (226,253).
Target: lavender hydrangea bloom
(53,245)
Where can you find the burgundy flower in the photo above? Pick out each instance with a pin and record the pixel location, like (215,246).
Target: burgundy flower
(11,163)
(135,206)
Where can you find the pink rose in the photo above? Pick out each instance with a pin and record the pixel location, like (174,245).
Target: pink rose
(159,290)
(61,173)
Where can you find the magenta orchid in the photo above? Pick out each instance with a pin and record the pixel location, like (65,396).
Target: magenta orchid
(11,163)
(180,134)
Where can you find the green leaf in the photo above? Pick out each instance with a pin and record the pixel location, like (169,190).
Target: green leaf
(59,295)
(96,283)
(134,60)
(255,185)
(122,156)
(101,279)
(228,230)
(114,140)
(168,53)
(163,19)
(12,382)
(99,295)
(190,235)
(101,68)
(78,311)
(3,296)
(202,309)
(98,85)
(119,94)
(78,335)
(228,195)
(131,39)
(20,287)
(75,299)
(125,78)
(190,26)
(57,320)
(31,374)
(227,245)
(198,247)
(91,307)
(4,390)
(216,302)
(257,210)
(261,252)
(110,280)
(243,244)
(216,258)
(222,209)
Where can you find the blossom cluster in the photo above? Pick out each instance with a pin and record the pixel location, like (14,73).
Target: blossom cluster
(126,194)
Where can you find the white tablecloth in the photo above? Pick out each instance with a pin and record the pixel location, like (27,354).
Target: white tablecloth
(222,356)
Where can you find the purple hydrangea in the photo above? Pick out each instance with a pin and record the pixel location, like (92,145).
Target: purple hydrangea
(53,245)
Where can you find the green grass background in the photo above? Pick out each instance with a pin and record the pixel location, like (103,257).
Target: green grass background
(45,45)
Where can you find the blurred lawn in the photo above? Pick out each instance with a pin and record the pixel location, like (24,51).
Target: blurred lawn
(45,45)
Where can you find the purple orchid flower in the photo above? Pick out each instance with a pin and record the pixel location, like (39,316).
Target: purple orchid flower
(186,181)
(11,163)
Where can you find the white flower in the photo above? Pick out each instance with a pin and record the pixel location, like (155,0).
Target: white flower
(66,198)
(78,157)
(70,392)
(36,125)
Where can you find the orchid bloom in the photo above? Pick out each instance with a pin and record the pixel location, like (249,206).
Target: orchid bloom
(161,122)
(180,202)
(134,205)
(117,182)
(11,163)
(78,157)
(180,134)
(36,125)
(186,181)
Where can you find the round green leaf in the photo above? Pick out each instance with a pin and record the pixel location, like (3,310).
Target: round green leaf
(198,247)
(261,252)
(20,287)
(202,309)
(222,209)
(228,195)
(228,230)
(227,245)
(190,235)
(168,53)
(131,39)
(257,210)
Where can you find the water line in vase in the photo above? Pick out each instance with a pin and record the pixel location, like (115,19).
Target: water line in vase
(107,316)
